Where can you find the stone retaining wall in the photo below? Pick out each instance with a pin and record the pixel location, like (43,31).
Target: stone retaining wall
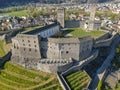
(46,65)
(106,42)
(74,68)
(102,70)
(103,37)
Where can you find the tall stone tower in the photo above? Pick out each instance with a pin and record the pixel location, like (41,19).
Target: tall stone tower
(61,16)
(92,17)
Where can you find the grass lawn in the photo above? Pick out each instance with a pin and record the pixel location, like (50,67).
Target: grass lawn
(16,13)
(15,77)
(31,28)
(2,51)
(78,80)
(78,32)
(4,48)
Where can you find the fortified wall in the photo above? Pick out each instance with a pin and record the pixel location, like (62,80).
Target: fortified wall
(82,24)
(49,54)
(40,51)
(65,48)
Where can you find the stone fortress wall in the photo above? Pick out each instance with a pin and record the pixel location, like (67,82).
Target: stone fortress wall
(27,46)
(81,24)
(51,55)
(106,40)
(65,48)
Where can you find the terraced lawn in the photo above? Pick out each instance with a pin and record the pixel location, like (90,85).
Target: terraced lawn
(2,51)
(15,77)
(78,80)
(4,48)
(78,32)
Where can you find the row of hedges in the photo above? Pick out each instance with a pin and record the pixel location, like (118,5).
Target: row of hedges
(15,77)
(78,80)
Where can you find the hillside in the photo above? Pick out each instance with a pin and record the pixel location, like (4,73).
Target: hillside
(4,48)
(15,77)
(8,3)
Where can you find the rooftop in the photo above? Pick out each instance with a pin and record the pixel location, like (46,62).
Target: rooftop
(69,40)
(38,30)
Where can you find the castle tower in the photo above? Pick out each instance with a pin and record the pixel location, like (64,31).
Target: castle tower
(92,17)
(61,17)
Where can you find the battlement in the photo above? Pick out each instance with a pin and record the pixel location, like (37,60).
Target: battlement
(58,62)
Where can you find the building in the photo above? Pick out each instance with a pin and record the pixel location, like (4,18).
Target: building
(46,31)
(36,49)
(61,17)
(92,17)
(65,48)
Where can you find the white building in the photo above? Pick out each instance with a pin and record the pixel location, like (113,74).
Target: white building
(46,31)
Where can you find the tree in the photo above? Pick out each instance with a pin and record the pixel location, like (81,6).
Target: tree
(58,34)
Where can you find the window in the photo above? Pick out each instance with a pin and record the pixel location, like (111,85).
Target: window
(22,40)
(29,49)
(62,44)
(23,44)
(14,45)
(35,50)
(35,45)
(17,47)
(67,52)
(24,49)
(29,45)
(34,41)
(28,40)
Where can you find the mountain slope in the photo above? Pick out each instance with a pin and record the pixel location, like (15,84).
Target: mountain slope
(6,3)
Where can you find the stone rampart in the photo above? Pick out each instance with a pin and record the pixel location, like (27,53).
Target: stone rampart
(101,71)
(106,42)
(74,68)
(73,23)
(62,82)
(81,63)
(46,65)
(103,37)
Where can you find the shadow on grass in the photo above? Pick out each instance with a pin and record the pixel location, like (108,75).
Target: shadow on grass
(65,32)
(5,59)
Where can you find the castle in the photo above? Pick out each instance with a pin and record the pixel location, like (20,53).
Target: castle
(37,49)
